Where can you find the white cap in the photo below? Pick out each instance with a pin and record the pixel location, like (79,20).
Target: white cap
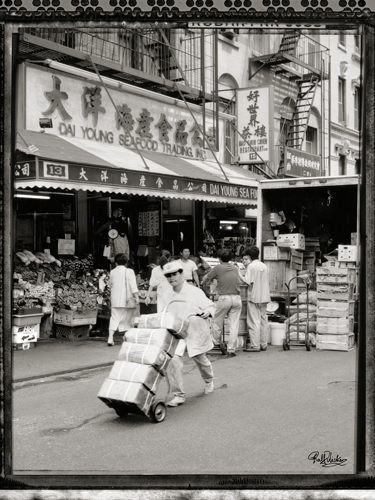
(172,267)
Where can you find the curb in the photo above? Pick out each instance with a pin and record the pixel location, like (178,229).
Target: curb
(39,379)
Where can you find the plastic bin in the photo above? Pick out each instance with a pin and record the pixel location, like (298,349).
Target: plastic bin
(278,333)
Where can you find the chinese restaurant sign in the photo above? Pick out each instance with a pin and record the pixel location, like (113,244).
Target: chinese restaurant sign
(255,125)
(301,164)
(81,109)
(98,177)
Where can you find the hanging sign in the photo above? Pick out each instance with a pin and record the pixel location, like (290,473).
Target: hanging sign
(301,164)
(255,125)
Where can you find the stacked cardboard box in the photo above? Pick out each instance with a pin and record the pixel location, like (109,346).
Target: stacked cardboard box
(26,328)
(335,308)
(142,362)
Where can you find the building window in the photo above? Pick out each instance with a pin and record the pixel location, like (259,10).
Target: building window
(229,33)
(229,142)
(357,108)
(342,165)
(342,40)
(312,140)
(357,166)
(341,97)
(284,130)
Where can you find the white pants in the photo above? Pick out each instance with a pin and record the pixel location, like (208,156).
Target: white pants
(230,306)
(257,324)
(174,372)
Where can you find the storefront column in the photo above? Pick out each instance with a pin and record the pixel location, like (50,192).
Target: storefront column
(82,225)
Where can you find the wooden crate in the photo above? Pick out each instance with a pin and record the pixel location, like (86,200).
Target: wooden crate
(336,275)
(335,291)
(335,342)
(296,259)
(335,326)
(334,309)
(75,318)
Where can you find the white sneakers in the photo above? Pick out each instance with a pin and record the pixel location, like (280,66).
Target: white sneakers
(209,388)
(176,401)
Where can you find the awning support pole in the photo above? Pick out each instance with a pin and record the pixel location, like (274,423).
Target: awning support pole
(114,105)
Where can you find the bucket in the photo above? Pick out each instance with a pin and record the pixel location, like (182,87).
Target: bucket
(277,333)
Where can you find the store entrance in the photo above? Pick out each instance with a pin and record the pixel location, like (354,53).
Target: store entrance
(178,233)
(101,210)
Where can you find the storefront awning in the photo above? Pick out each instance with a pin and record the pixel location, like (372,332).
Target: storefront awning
(45,160)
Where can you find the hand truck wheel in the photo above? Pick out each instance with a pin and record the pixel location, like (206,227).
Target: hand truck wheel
(223,348)
(121,410)
(158,412)
(308,348)
(285,345)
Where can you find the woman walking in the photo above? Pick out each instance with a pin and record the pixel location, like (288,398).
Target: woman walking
(124,297)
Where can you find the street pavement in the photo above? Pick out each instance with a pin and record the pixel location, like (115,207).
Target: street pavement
(274,412)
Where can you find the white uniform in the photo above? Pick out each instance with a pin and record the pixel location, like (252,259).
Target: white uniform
(188,267)
(158,280)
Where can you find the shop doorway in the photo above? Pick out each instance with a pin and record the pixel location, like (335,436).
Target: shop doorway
(178,233)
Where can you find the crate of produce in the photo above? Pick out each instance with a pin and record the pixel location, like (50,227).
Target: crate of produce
(335,309)
(160,337)
(335,342)
(72,333)
(335,326)
(119,391)
(26,333)
(295,240)
(26,319)
(26,311)
(296,259)
(137,373)
(23,346)
(347,253)
(335,275)
(75,318)
(335,291)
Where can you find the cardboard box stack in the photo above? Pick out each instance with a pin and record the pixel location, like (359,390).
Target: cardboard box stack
(143,360)
(335,308)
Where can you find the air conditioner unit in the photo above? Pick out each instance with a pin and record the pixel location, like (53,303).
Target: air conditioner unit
(228,33)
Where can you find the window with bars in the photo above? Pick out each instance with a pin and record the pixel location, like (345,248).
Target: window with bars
(311,140)
(341,99)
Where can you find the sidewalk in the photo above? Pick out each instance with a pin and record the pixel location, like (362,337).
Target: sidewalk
(55,357)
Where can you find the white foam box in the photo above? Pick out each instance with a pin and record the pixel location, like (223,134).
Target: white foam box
(347,253)
(335,342)
(334,309)
(126,392)
(26,333)
(335,326)
(144,354)
(26,319)
(24,346)
(293,240)
(160,337)
(335,275)
(135,372)
(164,320)
(273,252)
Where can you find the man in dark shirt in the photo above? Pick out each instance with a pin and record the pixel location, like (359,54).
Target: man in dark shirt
(229,303)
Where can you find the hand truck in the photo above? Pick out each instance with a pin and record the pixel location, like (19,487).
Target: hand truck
(299,342)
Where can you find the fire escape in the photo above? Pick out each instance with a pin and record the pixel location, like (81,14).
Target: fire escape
(178,63)
(305,62)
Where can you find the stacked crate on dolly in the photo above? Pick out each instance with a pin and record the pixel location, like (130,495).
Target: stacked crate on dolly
(26,327)
(136,383)
(74,325)
(335,308)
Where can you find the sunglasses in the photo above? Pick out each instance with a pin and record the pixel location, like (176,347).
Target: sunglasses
(169,275)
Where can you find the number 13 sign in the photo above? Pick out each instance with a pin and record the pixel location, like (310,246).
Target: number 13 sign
(55,170)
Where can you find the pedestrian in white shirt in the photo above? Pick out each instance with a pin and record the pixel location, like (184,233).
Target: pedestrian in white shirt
(159,281)
(258,296)
(189,268)
(192,302)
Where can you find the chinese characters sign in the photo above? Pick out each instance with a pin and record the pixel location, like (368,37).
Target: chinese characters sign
(148,223)
(255,124)
(301,164)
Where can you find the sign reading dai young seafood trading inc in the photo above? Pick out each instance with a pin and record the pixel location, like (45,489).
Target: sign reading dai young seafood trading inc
(255,124)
